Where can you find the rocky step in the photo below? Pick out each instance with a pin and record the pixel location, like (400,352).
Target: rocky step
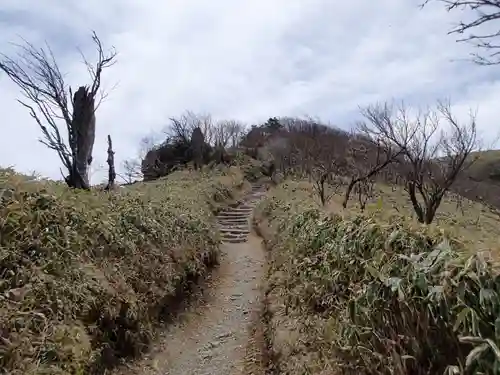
(238,209)
(234,234)
(240,215)
(235,240)
(234,215)
(233,224)
(247,206)
(236,219)
(238,226)
(230,235)
(234,231)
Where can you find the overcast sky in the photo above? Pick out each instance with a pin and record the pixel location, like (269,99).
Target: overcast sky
(248,60)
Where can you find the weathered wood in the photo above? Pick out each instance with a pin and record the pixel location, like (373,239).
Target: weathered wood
(83,134)
(197,143)
(111,165)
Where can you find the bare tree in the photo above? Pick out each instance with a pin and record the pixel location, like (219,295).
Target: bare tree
(485,12)
(364,191)
(131,170)
(227,133)
(181,128)
(319,149)
(283,153)
(238,131)
(433,154)
(36,72)
(367,157)
(326,180)
(111,165)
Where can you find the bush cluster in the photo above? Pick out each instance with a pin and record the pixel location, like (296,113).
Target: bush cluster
(86,275)
(357,296)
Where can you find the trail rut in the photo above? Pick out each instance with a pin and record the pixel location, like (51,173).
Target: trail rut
(212,336)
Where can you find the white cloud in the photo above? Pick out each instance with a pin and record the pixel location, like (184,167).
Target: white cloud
(245,60)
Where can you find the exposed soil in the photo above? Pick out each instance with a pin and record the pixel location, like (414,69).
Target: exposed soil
(216,333)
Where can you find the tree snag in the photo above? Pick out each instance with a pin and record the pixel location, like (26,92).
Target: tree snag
(36,72)
(197,143)
(111,165)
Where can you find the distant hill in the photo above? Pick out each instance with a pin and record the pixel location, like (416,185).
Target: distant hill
(481,182)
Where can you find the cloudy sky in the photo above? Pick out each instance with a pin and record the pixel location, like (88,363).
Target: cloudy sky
(247,60)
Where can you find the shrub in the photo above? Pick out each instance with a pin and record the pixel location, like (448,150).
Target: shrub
(363,297)
(85,276)
(251,168)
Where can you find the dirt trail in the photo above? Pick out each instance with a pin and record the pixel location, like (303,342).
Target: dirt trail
(212,336)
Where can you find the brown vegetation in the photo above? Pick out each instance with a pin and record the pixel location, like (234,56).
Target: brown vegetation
(426,153)
(353,294)
(86,276)
(430,156)
(190,138)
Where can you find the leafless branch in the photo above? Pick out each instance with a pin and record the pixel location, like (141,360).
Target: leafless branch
(37,74)
(435,149)
(485,11)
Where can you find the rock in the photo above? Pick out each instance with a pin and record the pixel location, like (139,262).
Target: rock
(223,335)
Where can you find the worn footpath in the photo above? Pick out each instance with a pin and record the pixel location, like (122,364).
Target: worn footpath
(212,335)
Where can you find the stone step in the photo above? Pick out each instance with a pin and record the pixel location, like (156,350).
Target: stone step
(246,207)
(240,209)
(233,215)
(243,211)
(225,231)
(229,237)
(232,224)
(242,225)
(234,234)
(235,240)
(233,219)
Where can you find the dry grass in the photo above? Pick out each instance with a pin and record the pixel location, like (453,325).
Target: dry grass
(375,293)
(475,225)
(85,276)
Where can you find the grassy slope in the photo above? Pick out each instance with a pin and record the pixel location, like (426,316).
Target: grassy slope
(331,281)
(475,225)
(85,276)
(482,181)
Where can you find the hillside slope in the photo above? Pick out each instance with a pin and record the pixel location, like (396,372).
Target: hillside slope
(481,181)
(355,293)
(86,276)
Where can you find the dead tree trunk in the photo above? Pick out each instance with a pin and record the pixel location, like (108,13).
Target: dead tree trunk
(82,139)
(37,74)
(348,191)
(197,143)
(111,165)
